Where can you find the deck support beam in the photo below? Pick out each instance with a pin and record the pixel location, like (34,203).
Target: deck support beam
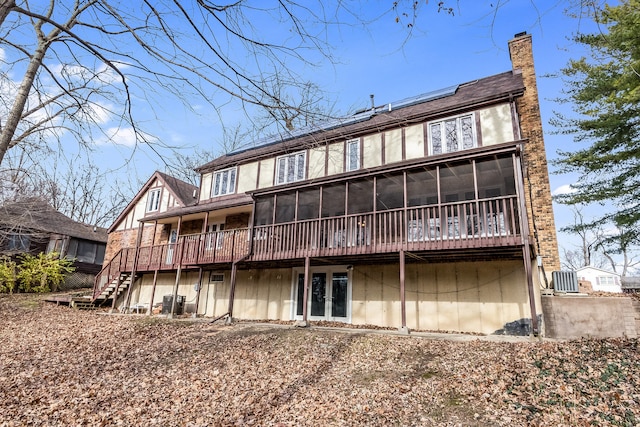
(153,292)
(305,293)
(403,302)
(195,312)
(127,300)
(179,271)
(232,291)
(114,297)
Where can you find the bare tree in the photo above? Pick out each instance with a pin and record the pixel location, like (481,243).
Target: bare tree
(85,66)
(620,250)
(77,188)
(585,252)
(598,247)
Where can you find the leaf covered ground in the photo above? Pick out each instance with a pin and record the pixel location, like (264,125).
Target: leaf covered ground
(60,366)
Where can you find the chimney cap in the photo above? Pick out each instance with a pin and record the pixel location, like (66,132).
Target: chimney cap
(523,33)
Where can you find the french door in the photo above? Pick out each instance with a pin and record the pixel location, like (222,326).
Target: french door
(329,296)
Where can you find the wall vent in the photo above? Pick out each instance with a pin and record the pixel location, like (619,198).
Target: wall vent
(565,281)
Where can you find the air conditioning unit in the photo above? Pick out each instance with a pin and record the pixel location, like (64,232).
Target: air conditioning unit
(565,281)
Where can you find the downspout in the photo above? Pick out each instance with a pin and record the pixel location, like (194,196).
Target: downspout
(526,249)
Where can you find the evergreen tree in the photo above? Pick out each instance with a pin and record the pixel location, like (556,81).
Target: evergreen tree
(604,91)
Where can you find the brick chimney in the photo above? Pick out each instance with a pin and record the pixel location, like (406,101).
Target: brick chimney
(537,187)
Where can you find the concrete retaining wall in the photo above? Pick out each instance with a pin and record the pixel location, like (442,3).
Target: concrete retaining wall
(584,316)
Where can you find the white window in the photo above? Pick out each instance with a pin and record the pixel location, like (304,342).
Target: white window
(606,280)
(291,168)
(452,134)
(153,200)
(353,155)
(224,182)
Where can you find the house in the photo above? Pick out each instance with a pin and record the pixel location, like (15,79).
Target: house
(601,280)
(32,226)
(630,285)
(431,213)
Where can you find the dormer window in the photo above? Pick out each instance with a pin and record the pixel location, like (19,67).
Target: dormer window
(452,134)
(224,182)
(153,200)
(291,168)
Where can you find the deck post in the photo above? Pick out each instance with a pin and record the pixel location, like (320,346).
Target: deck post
(526,249)
(403,302)
(232,291)
(195,313)
(179,271)
(153,292)
(127,300)
(115,294)
(305,293)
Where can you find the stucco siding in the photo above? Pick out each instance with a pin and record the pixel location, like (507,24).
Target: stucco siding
(414,141)
(496,125)
(372,150)
(247,177)
(393,146)
(267,168)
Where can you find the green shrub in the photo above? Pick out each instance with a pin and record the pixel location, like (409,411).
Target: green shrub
(42,272)
(7,275)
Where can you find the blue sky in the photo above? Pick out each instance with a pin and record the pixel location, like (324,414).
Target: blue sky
(378,58)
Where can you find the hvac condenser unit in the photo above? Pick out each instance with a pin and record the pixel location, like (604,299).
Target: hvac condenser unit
(565,281)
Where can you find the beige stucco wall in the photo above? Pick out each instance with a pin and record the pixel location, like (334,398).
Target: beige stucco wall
(467,297)
(393,146)
(247,177)
(267,168)
(205,187)
(335,163)
(414,141)
(496,125)
(372,150)
(477,297)
(316,162)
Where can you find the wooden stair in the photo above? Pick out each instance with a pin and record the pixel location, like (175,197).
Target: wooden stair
(109,291)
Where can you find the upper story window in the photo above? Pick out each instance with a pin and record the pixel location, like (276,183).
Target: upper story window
(153,200)
(291,168)
(224,182)
(353,154)
(452,134)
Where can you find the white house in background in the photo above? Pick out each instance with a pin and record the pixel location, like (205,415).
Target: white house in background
(601,280)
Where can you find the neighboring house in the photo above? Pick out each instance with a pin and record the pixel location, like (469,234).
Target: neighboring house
(601,280)
(32,226)
(418,214)
(630,285)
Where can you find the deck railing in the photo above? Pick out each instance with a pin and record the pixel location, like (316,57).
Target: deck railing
(472,224)
(469,224)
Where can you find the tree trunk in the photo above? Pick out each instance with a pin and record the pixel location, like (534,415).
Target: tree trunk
(5,8)
(13,119)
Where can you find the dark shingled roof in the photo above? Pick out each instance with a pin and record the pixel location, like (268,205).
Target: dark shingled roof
(468,95)
(181,189)
(40,217)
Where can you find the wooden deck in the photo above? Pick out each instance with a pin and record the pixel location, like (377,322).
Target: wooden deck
(477,224)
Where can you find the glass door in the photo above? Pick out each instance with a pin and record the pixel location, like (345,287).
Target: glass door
(326,300)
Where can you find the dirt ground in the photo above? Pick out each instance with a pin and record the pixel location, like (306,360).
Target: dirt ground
(63,367)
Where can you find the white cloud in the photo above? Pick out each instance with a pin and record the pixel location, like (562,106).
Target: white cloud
(125,136)
(118,135)
(564,189)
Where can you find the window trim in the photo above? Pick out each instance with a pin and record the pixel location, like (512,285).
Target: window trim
(457,118)
(298,169)
(231,183)
(352,143)
(153,200)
